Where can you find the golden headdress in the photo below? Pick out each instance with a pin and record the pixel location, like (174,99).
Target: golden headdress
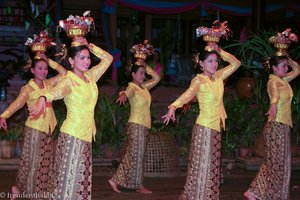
(213,34)
(282,41)
(77,26)
(39,44)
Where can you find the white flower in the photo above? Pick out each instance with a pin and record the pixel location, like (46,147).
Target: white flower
(70,18)
(29,41)
(86,13)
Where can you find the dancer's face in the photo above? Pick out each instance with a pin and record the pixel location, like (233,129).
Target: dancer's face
(40,70)
(139,75)
(281,69)
(81,62)
(210,64)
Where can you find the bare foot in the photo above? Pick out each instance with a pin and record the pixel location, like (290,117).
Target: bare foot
(249,196)
(144,190)
(113,185)
(15,192)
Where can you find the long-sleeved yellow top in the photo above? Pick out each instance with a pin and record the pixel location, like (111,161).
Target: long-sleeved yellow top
(140,99)
(210,94)
(281,94)
(29,94)
(80,97)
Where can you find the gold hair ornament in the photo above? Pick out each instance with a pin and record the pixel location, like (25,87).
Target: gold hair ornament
(266,64)
(28,64)
(195,58)
(63,53)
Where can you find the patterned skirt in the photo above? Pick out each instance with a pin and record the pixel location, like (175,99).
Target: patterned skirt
(36,163)
(130,171)
(72,169)
(203,176)
(273,178)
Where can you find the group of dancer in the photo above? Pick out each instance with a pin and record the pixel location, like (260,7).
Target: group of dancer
(68,174)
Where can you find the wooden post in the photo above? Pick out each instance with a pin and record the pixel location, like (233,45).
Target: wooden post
(113,27)
(148,27)
(258,14)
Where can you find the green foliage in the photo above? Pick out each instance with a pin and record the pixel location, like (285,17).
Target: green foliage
(110,118)
(12,134)
(60,114)
(296,115)
(181,129)
(246,119)
(254,51)
(111,121)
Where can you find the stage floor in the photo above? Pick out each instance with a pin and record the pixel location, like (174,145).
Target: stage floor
(236,181)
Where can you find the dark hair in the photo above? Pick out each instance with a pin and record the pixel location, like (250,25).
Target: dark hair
(134,68)
(73,51)
(36,60)
(275,60)
(27,73)
(204,55)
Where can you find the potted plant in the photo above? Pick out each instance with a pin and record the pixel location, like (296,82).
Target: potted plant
(244,123)
(296,122)
(252,53)
(111,120)
(235,109)
(8,142)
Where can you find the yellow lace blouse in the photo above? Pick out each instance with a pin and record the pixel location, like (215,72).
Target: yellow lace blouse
(80,98)
(210,94)
(281,94)
(29,95)
(140,99)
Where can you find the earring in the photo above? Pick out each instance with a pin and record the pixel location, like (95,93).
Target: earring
(202,68)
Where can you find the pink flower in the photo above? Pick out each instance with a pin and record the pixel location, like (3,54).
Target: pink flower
(218,29)
(293,37)
(84,20)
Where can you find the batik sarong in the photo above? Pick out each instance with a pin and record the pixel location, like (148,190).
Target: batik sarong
(72,169)
(273,178)
(203,176)
(36,164)
(130,171)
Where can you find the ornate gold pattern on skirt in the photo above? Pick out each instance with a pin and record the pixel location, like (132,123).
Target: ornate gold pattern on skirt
(203,176)
(130,171)
(36,163)
(73,169)
(273,178)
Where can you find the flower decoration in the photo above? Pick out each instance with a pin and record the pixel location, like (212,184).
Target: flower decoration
(218,29)
(77,26)
(40,43)
(282,41)
(213,34)
(84,21)
(143,50)
(284,37)
(42,38)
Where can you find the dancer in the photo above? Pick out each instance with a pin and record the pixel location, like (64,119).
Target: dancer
(36,163)
(130,171)
(203,174)
(273,178)
(73,162)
